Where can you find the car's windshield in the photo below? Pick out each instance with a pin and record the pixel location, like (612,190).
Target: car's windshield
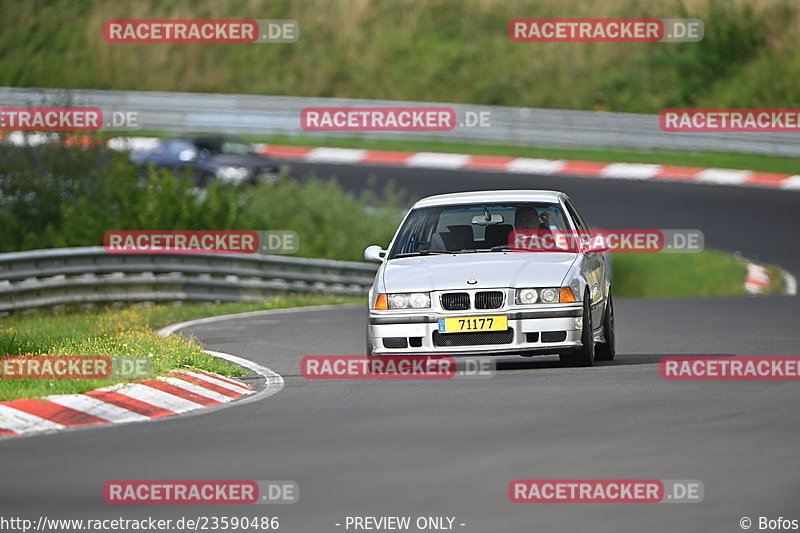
(472,227)
(224,146)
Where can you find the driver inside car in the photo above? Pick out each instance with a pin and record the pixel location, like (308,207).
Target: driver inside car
(530,220)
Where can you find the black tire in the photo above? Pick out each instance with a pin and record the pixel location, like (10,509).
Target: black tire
(583,356)
(605,351)
(203,179)
(142,174)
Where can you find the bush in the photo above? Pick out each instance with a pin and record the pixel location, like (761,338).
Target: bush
(733,36)
(52,196)
(331,223)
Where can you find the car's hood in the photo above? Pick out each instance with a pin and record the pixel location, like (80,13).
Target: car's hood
(493,269)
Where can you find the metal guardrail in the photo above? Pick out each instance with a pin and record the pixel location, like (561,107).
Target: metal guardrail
(266,115)
(90,275)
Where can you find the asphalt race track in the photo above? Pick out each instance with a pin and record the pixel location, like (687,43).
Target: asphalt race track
(450,448)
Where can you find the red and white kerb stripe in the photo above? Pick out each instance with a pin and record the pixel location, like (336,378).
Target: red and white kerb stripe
(524,165)
(174,393)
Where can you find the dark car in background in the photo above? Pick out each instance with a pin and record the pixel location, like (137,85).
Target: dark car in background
(210,158)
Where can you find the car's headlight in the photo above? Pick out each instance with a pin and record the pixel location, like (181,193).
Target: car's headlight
(547,295)
(232,173)
(527,296)
(409,300)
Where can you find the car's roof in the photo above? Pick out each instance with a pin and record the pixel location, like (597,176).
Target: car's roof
(203,138)
(478,197)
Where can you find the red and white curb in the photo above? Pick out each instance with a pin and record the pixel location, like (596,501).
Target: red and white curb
(179,392)
(510,165)
(523,165)
(757,280)
(176,393)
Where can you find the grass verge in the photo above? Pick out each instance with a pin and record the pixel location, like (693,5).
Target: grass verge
(122,332)
(707,273)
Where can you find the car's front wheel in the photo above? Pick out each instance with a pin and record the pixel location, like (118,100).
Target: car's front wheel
(583,356)
(203,178)
(605,351)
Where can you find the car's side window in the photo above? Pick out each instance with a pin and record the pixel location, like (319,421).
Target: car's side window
(168,148)
(573,213)
(175,148)
(416,233)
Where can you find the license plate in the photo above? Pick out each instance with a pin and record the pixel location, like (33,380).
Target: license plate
(466,324)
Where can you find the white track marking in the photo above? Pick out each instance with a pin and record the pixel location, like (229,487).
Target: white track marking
(723,176)
(335,155)
(790,282)
(155,397)
(22,422)
(92,406)
(630,171)
(241,389)
(524,165)
(197,389)
(437,160)
(792,182)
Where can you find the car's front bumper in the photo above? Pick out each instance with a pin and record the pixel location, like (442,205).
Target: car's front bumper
(531,331)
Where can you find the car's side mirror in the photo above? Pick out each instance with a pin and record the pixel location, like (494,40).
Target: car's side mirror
(593,246)
(374,253)
(600,249)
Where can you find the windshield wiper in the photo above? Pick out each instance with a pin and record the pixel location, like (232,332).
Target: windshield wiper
(501,248)
(422,252)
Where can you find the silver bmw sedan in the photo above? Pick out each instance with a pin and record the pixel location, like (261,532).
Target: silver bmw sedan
(461,277)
